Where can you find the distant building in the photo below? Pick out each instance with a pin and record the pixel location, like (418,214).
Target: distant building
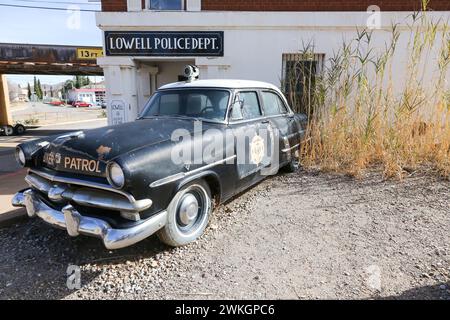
(22,95)
(17,93)
(52,91)
(94,95)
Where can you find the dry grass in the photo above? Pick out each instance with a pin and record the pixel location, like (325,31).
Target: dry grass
(357,117)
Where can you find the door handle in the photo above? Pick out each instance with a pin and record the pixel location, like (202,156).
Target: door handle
(265,121)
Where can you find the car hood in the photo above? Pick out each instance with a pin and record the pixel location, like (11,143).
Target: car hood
(88,151)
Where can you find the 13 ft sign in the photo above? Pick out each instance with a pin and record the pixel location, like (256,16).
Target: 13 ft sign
(89,53)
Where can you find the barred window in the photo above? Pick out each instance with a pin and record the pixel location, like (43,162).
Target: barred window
(299,78)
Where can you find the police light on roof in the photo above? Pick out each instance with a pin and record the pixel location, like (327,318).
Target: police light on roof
(191,73)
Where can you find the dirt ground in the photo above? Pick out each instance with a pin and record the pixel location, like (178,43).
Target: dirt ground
(297,236)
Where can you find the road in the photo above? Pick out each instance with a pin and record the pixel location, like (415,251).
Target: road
(25,108)
(48,114)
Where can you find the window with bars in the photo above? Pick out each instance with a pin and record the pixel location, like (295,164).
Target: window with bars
(166,4)
(299,79)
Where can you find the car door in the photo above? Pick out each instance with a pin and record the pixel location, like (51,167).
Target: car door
(280,117)
(248,126)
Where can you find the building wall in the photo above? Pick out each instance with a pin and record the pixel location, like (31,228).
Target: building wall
(254,43)
(297,5)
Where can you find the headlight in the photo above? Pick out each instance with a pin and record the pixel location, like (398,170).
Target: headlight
(115,175)
(20,156)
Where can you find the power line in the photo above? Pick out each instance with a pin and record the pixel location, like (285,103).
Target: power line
(61,2)
(44,8)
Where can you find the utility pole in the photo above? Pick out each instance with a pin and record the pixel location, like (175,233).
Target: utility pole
(5,116)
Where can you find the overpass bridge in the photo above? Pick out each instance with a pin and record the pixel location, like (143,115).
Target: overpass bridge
(41,59)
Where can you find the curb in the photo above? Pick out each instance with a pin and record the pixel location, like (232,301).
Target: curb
(71,122)
(15,173)
(12,217)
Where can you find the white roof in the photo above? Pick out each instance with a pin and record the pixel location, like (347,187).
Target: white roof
(218,83)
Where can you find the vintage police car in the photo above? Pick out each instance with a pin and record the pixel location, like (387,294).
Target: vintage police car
(195,145)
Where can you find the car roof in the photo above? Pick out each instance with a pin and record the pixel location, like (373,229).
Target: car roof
(220,83)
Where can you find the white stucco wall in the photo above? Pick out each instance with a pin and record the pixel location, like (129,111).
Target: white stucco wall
(254,43)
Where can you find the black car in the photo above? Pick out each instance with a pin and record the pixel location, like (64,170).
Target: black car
(195,145)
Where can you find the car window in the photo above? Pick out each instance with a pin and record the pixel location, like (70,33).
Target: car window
(250,105)
(208,104)
(273,105)
(236,111)
(282,105)
(169,104)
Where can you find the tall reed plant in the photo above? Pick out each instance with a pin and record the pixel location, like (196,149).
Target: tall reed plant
(361,118)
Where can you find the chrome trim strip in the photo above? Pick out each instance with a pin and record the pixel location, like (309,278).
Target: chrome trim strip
(80,182)
(182,175)
(101,199)
(262,118)
(76,224)
(292,135)
(86,196)
(18,200)
(289,149)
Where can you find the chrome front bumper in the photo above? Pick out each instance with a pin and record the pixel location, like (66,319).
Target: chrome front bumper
(75,224)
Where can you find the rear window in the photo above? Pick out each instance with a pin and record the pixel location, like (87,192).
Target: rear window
(273,105)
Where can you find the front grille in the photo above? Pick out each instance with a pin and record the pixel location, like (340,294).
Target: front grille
(89,198)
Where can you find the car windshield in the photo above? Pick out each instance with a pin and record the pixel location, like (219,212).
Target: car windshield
(208,104)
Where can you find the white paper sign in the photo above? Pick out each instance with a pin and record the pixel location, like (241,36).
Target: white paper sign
(117,112)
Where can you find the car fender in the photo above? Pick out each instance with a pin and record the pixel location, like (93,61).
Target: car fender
(211,177)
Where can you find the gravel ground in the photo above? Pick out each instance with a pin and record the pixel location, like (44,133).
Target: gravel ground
(298,236)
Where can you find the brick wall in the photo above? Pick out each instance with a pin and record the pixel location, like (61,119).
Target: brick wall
(299,5)
(114,5)
(320,5)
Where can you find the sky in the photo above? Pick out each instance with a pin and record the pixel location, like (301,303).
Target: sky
(66,27)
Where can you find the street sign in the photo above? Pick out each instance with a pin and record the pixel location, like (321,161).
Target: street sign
(165,43)
(89,53)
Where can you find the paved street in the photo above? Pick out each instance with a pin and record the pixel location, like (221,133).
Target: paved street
(48,114)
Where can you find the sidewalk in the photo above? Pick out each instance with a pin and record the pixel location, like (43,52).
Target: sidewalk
(10,183)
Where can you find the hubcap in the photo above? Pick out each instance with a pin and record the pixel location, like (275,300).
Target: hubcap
(9,131)
(188,210)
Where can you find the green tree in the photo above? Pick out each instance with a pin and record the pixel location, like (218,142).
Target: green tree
(29,91)
(68,85)
(78,82)
(35,86)
(39,92)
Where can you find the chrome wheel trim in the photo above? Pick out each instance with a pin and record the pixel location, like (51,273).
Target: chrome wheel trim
(192,210)
(188,210)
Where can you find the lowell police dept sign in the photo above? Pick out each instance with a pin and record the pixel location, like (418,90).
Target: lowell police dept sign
(164,43)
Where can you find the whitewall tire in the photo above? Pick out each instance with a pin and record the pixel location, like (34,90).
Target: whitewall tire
(188,215)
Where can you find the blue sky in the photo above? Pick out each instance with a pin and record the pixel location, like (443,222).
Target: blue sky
(20,25)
